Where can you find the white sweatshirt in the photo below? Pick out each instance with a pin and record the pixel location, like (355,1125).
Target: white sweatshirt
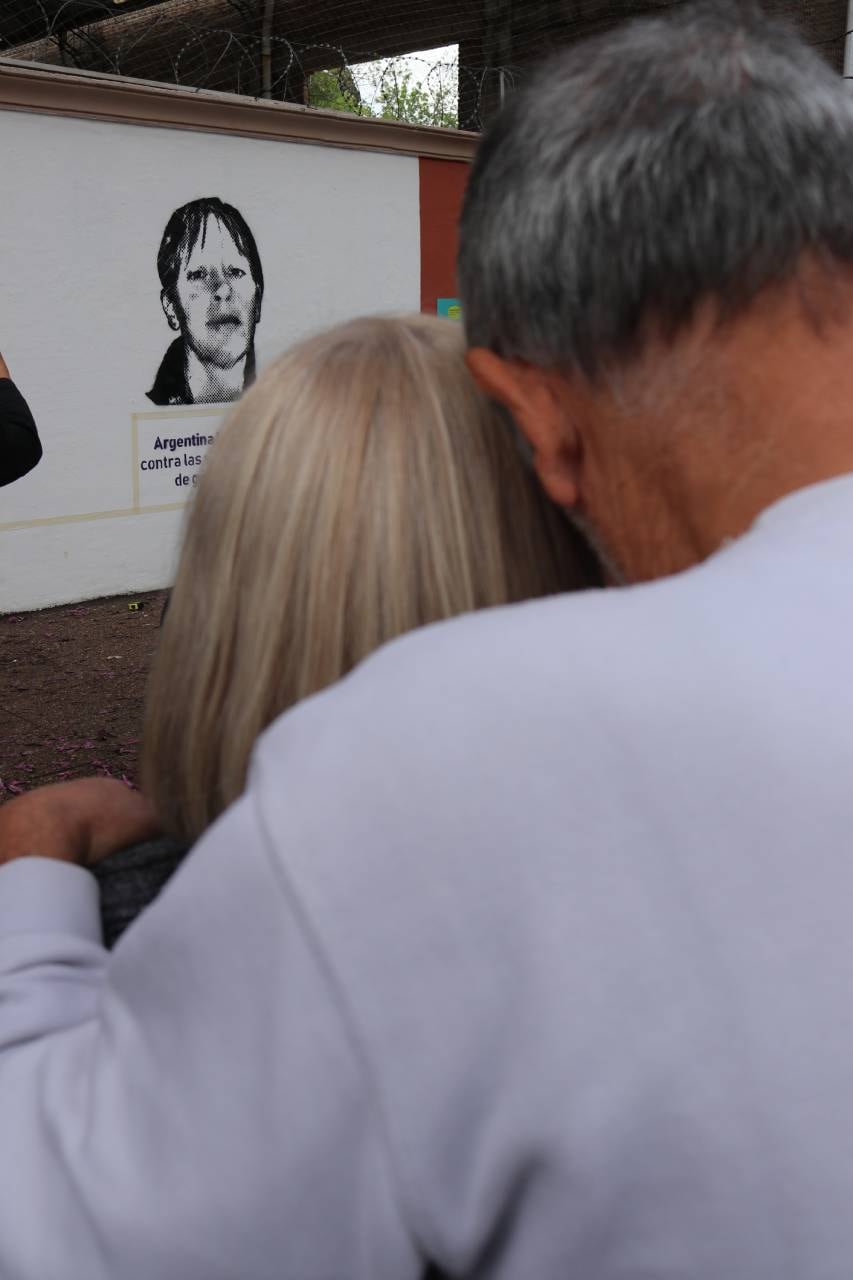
(528,951)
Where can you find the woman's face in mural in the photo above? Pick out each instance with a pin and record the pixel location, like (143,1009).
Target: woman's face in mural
(215,298)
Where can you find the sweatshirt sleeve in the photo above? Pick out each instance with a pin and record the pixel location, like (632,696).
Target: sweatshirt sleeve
(193,1105)
(20,447)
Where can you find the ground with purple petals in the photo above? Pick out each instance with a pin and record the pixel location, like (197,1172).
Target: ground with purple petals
(72,684)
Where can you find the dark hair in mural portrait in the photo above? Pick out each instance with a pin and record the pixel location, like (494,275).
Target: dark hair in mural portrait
(212,286)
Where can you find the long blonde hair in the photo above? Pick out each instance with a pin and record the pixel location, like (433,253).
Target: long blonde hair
(362,488)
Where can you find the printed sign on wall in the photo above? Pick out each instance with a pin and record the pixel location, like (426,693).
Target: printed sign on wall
(168,452)
(211,291)
(450,308)
(133,321)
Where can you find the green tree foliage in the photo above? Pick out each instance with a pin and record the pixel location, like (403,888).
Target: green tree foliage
(401,97)
(335,91)
(389,90)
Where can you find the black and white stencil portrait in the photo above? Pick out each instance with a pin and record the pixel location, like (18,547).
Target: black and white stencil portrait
(212,286)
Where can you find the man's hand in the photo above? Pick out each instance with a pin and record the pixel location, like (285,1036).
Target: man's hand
(4,368)
(79,821)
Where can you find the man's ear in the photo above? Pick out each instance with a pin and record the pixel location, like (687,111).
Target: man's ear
(537,400)
(169,309)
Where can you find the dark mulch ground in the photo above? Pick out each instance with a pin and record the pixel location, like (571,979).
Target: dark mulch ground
(72,684)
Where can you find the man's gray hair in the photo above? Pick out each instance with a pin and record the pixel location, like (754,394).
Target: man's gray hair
(687,157)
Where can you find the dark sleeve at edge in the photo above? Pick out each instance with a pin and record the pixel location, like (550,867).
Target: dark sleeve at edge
(20,447)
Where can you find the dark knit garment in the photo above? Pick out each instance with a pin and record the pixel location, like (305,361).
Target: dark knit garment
(132,878)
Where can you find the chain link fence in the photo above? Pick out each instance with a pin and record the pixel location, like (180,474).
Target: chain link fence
(447,63)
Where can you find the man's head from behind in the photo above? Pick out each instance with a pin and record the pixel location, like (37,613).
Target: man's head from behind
(657,220)
(211,279)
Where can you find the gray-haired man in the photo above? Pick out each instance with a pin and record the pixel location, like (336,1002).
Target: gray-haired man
(528,950)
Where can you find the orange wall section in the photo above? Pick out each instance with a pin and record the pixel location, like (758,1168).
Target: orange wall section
(442,184)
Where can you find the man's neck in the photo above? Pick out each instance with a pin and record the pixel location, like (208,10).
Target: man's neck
(792,385)
(210,385)
(742,416)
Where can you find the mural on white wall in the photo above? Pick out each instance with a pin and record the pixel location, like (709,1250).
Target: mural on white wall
(211,291)
(147,272)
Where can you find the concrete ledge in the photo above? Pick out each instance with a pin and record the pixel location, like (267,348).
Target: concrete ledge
(28,86)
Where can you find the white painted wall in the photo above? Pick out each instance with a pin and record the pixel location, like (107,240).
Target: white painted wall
(83,208)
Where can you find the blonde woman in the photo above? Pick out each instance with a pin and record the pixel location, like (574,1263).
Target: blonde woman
(362,488)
